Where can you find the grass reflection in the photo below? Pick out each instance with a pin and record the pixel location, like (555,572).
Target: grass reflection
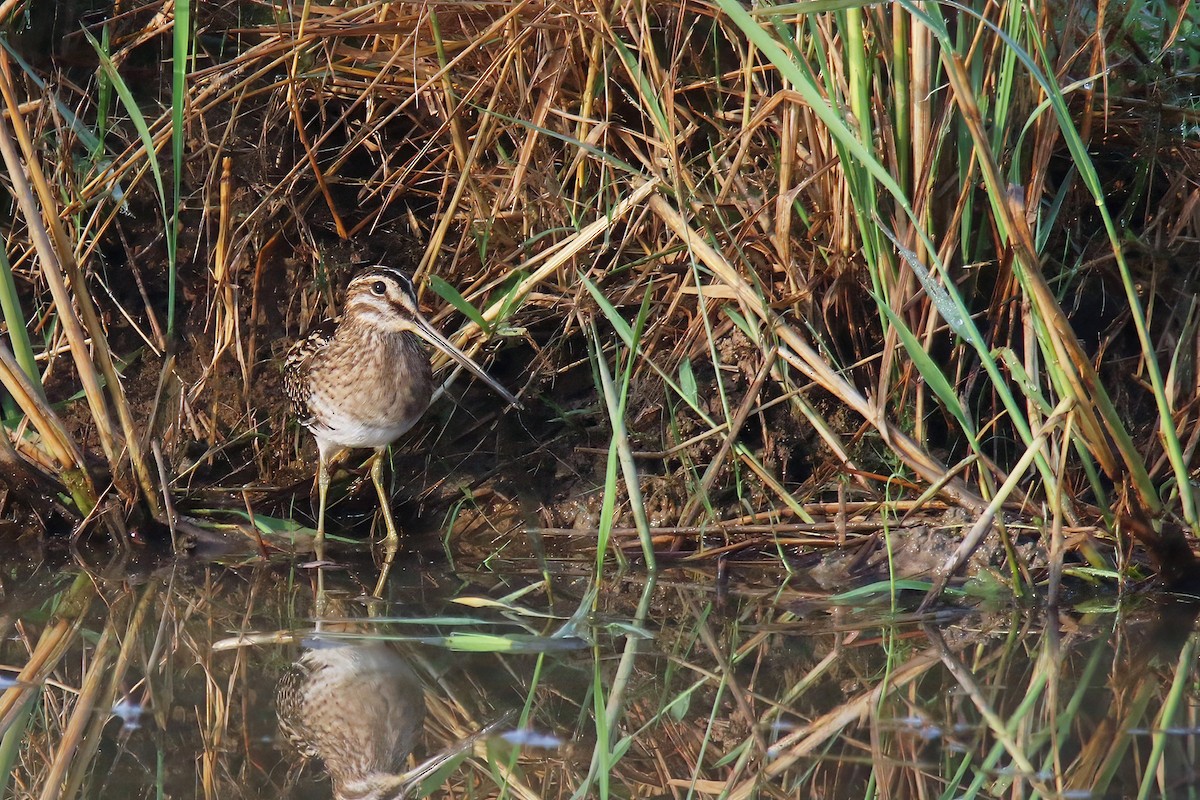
(166,685)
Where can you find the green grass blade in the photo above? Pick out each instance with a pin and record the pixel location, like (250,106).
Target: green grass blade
(451,296)
(137,118)
(10,302)
(180,56)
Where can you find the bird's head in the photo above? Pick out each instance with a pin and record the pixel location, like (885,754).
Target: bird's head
(382,297)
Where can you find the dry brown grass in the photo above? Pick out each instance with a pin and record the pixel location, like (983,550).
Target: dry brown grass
(517,151)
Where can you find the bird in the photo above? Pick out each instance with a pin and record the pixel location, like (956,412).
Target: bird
(363,379)
(357,706)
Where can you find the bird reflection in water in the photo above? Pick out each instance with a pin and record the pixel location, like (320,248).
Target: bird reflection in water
(358,707)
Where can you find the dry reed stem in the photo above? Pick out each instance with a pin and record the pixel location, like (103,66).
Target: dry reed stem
(51,267)
(1085,384)
(692,508)
(983,524)
(554,259)
(59,444)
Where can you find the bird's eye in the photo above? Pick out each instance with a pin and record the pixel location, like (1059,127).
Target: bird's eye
(379,288)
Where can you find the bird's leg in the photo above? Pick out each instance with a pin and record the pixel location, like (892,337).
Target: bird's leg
(392,542)
(322,599)
(322,494)
(385,569)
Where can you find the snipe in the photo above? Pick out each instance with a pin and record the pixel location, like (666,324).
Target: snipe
(359,708)
(363,380)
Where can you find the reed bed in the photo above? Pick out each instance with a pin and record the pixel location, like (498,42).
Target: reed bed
(867,292)
(823,265)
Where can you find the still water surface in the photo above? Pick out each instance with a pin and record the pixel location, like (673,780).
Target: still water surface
(272,680)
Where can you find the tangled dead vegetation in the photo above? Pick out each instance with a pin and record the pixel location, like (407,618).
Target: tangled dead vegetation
(790,269)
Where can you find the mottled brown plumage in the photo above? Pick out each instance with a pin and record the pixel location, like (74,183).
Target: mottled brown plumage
(364,379)
(359,708)
(296,362)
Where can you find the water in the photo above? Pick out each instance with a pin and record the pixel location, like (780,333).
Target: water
(214,680)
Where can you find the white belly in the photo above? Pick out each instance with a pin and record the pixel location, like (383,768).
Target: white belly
(350,430)
(367,390)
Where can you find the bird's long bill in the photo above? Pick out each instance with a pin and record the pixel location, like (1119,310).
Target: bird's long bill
(429,334)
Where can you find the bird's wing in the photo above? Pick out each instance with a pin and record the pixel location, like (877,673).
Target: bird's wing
(296,366)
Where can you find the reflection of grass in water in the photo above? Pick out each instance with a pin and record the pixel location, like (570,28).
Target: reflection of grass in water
(743,696)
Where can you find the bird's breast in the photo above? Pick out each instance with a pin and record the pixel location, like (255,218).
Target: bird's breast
(368,390)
